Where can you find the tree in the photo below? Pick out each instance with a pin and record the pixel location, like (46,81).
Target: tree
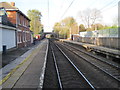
(97,26)
(35,23)
(71,26)
(90,17)
(57,27)
(66,27)
(82,28)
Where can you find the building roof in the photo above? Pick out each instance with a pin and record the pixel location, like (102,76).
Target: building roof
(9,7)
(3,18)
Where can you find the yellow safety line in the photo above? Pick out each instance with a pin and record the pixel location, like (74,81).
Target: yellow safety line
(13,70)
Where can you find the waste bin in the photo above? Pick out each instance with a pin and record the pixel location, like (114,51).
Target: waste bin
(4,49)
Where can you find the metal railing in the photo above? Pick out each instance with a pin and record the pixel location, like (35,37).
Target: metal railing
(113,32)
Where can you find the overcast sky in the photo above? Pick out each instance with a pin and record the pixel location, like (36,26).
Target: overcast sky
(109,9)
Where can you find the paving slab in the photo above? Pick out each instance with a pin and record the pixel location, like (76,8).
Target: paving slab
(29,73)
(14,58)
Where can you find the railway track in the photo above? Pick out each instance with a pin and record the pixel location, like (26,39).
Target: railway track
(107,67)
(68,75)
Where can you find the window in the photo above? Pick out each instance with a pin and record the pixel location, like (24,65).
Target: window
(24,37)
(2,12)
(23,22)
(19,37)
(18,19)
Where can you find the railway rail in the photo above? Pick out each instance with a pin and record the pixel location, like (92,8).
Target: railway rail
(110,69)
(68,75)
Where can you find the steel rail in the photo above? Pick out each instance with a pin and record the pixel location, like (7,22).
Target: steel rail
(56,67)
(94,65)
(76,67)
(113,65)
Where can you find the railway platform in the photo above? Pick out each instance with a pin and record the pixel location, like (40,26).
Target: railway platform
(30,72)
(107,51)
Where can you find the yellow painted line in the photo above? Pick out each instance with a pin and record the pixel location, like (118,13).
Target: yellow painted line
(13,70)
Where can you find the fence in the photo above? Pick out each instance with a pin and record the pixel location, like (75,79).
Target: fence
(107,38)
(101,33)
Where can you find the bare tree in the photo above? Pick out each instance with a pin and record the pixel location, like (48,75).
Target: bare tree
(90,17)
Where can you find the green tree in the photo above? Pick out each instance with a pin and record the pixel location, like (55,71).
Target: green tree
(35,23)
(57,27)
(97,26)
(70,25)
(66,27)
(82,28)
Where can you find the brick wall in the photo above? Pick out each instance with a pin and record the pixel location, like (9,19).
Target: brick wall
(23,24)
(12,16)
(24,34)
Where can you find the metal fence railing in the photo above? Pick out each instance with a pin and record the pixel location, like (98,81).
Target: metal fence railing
(113,32)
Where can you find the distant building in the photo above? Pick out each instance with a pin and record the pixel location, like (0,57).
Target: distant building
(21,21)
(7,32)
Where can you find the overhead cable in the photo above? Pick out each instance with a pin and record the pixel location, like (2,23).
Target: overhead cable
(67,9)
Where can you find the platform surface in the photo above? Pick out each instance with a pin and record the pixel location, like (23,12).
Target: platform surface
(95,47)
(30,73)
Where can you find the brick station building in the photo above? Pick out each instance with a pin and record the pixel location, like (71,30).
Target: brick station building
(22,23)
